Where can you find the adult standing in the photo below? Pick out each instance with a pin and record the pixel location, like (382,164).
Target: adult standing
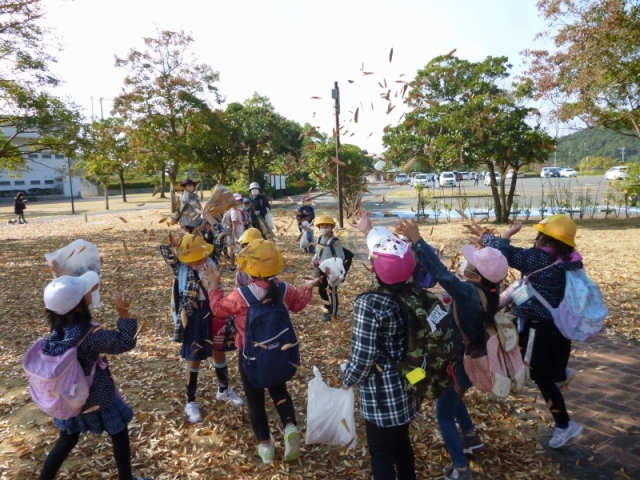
(475,183)
(188,213)
(19,206)
(261,208)
(545,349)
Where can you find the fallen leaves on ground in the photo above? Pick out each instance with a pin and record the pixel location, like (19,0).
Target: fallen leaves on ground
(151,377)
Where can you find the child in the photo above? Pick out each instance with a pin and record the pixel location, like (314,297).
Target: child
(67,301)
(192,317)
(546,350)
(306,213)
(246,212)
(328,247)
(261,260)
(249,235)
(379,332)
(234,228)
(19,206)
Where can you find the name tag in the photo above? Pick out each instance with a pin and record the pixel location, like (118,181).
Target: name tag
(521,294)
(416,375)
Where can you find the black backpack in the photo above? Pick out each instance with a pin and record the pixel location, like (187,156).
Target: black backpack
(348,255)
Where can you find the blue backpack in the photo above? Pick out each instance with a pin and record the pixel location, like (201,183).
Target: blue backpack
(271,355)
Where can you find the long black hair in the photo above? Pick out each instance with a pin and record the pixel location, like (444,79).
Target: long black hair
(274,294)
(492,292)
(561,249)
(79,315)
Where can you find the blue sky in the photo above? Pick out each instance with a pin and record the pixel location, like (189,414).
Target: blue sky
(291,50)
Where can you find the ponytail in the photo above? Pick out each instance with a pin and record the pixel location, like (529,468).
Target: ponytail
(492,292)
(273,292)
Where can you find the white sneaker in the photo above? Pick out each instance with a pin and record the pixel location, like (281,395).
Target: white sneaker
(291,443)
(562,436)
(230,396)
(192,411)
(266,453)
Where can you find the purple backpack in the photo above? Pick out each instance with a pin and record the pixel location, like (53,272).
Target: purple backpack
(58,384)
(422,277)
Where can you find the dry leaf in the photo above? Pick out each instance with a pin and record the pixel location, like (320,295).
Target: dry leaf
(92,409)
(281,402)
(124,220)
(344,423)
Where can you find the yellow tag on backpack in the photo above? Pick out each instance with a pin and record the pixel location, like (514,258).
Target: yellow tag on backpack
(415,375)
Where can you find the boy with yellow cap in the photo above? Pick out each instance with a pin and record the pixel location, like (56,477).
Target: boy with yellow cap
(192,317)
(328,247)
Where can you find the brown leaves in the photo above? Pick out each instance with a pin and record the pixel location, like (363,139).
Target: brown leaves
(123,220)
(390,55)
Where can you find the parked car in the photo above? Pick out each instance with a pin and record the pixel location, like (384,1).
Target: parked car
(458,176)
(473,175)
(401,179)
(568,172)
(464,175)
(487,179)
(447,179)
(509,175)
(413,177)
(422,179)
(483,174)
(550,172)
(616,173)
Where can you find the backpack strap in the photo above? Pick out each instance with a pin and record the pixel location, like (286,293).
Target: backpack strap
(456,315)
(249,297)
(330,245)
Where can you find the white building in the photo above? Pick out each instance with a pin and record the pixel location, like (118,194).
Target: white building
(47,173)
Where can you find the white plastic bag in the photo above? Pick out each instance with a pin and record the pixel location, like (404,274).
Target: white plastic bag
(269,219)
(330,416)
(335,270)
(76,259)
(304,235)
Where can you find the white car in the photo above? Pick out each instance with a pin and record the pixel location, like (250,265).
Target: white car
(487,179)
(422,179)
(401,178)
(616,173)
(447,179)
(465,175)
(568,172)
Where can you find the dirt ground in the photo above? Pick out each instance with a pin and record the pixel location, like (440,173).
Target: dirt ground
(151,377)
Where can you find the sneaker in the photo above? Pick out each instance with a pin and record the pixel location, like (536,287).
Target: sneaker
(570,376)
(230,396)
(266,453)
(453,473)
(192,411)
(140,478)
(326,317)
(562,436)
(472,443)
(291,443)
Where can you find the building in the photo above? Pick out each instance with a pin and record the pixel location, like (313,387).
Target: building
(47,173)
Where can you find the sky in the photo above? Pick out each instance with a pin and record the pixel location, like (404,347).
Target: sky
(292,50)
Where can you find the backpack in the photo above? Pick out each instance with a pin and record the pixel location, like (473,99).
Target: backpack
(271,355)
(581,312)
(428,366)
(348,255)
(58,384)
(423,277)
(496,366)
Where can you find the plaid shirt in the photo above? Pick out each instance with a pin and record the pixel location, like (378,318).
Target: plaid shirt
(377,320)
(189,294)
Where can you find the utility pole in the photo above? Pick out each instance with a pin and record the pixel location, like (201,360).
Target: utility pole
(73,208)
(101,112)
(622,151)
(335,94)
(555,157)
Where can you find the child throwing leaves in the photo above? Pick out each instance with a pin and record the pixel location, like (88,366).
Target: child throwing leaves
(192,317)
(261,260)
(328,247)
(67,301)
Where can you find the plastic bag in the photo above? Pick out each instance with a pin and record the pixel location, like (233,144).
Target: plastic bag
(334,270)
(330,414)
(304,235)
(269,219)
(77,258)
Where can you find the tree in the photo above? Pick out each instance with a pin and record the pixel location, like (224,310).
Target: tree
(321,160)
(593,74)
(462,117)
(108,153)
(31,118)
(164,90)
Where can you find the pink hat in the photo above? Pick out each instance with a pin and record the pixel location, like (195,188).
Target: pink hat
(489,262)
(393,260)
(237,196)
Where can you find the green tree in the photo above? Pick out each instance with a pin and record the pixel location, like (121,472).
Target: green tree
(163,92)
(31,118)
(108,153)
(594,72)
(462,117)
(322,163)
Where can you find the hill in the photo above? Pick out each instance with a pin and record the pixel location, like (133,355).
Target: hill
(596,142)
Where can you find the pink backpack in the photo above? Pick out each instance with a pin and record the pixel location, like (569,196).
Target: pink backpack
(58,385)
(497,367)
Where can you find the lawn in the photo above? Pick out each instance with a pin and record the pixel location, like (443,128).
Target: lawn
(151,376)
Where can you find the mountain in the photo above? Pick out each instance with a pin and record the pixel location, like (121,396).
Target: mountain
(596,142)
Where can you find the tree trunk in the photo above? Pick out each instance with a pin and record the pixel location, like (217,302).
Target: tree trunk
(123,188)
(172,196)
(106,194)
(163,182)
(512,190)
(497,205)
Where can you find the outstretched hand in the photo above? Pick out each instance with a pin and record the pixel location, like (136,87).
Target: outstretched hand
(475,229)
(311,283)
(122,302)
(514,228)
(363,222)
(409,228)
(212,277)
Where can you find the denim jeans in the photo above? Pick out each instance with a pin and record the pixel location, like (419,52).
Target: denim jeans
(391,451)
(451,408)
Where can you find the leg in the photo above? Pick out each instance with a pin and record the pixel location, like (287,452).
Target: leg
(286,410)
(222,370)
(446,406)
(58,453)
(324,295)
(462,417)
(255,405)
(193,368)
(382,448)
(551,393)
(334,300)
(122,454)
(405,459)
